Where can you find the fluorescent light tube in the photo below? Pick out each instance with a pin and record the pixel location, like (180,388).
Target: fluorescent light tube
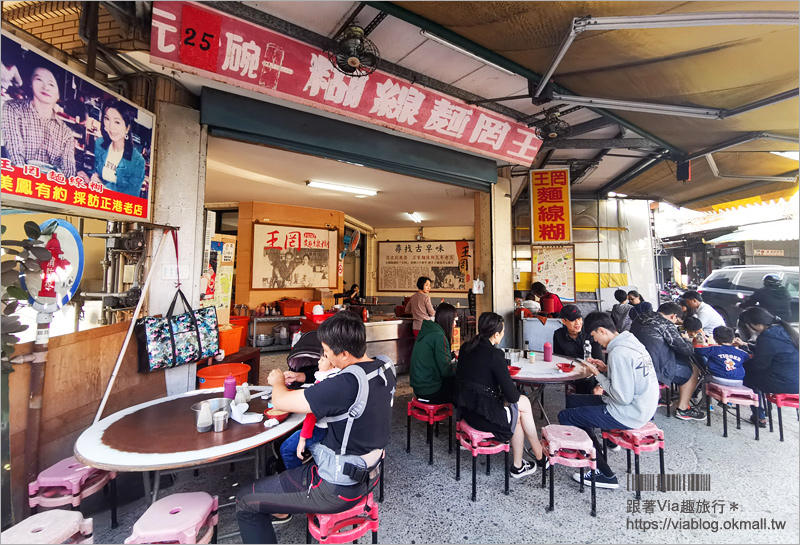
(414,216)
(463,51)
(342,188)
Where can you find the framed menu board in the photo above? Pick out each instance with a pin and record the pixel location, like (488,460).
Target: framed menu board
(554,266)
(448,263)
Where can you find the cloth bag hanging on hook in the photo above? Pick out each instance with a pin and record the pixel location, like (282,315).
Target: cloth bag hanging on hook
(172,340)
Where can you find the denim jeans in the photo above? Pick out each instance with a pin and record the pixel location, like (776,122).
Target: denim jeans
(289,447)
(298,490)
(587,412)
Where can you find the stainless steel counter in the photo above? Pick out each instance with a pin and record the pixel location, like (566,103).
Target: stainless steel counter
(393,338)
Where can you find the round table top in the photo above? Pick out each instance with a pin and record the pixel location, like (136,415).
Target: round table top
(541,371)
(161,434)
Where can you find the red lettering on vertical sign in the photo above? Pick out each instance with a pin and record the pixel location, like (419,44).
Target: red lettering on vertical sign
(200,37)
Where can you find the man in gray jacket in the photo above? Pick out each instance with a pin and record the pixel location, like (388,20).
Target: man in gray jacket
(626,396)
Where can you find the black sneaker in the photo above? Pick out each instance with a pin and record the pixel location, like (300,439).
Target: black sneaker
(600,480)
(543,462)
(283,520)
(613,447)
(690,414)
(526,469)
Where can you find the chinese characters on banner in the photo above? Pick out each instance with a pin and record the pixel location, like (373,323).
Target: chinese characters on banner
(448,263)
(293,257)
(199,40)
(90,157)
(550,206)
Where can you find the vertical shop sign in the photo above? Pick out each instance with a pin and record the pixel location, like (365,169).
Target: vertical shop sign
(69,145)
(551,213)
(206,42)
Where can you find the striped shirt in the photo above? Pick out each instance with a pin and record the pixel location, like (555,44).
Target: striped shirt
(27,137)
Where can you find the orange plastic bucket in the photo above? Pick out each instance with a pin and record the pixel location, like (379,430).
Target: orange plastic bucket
(241,321)
(213,376)
(229,340)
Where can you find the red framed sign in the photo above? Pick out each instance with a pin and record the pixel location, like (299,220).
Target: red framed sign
(194,38)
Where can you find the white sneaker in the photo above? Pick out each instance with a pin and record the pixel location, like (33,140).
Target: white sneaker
(613,447)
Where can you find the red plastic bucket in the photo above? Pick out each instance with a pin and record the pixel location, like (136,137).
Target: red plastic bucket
(213,376)
(241,321)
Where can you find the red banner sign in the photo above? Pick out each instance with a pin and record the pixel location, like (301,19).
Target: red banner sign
(202,41)
(550,206)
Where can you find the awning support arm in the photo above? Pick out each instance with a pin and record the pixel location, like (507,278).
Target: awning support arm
(672,20)
(715,171)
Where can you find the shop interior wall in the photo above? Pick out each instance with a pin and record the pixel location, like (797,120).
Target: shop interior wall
(456,232)
(278,214)
(77,372)
(94,252)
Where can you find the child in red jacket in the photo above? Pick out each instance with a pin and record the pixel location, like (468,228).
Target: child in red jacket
(312,431)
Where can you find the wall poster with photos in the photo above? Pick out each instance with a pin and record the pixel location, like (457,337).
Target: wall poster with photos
(293,257)
(68,144)
(449,263)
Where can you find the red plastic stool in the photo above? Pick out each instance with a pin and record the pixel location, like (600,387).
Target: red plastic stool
(431,414)
(781,400)
(571,447)
(667,396)
(645,439)
(736,395)
(68,482)
(336,527)
(479,442)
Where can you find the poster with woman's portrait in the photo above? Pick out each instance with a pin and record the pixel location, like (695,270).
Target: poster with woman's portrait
(68,144)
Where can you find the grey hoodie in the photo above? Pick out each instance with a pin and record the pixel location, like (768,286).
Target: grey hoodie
(620,313)
(630,384)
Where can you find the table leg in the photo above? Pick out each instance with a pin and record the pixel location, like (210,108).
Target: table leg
(156,485)
(148,492)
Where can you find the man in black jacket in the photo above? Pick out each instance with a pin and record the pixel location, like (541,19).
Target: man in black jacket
(671,354)
(570,341)
(773,297)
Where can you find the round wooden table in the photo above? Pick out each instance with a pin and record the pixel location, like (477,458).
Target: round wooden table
(540,373)
(161,435)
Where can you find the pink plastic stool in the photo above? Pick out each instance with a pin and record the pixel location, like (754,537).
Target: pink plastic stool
(572,447)
(479,442)
(736,395)
(335,528)
(68,482)
(56,526)
(645,439)
(431,414)
(781,400)
(178,519)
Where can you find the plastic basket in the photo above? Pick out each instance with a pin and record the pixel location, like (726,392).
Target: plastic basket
(229,340)
(290,307)
(319,318)
(242,321)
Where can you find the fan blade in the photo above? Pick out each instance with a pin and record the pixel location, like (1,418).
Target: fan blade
(368,59)
(341,64)
(349,46)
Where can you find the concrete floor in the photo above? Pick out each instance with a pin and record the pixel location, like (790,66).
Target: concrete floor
(425,504)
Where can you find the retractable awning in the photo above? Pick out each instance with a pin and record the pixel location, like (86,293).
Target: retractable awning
(772,231)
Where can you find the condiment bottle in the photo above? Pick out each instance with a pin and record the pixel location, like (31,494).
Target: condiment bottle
(548,352)
(229,387)
(204,419)
(246,389)
(527,349)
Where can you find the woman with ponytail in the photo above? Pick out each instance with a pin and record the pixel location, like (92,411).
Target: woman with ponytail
(433,366)
(774,366)
(485,386)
